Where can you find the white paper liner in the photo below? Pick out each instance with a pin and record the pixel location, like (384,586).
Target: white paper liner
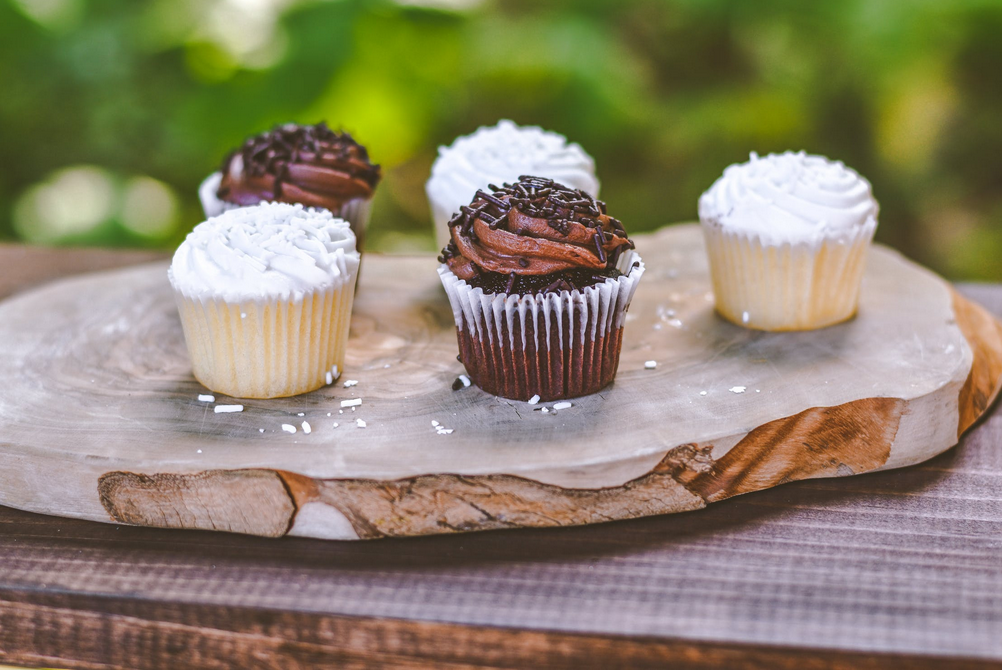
(355,211)
(268,348)
(789,286)
(602,307)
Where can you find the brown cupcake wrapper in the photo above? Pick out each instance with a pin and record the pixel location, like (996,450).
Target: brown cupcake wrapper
(555,345)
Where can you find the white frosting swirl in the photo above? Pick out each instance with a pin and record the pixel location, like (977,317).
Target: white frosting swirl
(267,251)
(790,198)
(503,153)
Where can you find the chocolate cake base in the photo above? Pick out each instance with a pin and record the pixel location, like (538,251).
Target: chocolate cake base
(552,373)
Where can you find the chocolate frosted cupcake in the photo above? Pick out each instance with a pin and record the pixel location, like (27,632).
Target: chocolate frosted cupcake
(308,165)
(539,278)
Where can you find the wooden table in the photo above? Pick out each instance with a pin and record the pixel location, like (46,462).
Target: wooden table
(881,570)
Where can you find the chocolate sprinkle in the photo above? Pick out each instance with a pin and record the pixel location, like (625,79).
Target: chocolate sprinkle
(272,151)
(539,198)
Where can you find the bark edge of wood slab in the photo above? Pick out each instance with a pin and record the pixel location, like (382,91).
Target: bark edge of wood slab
(726,412)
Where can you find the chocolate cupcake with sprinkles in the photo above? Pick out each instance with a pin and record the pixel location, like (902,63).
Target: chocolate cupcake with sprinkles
(539,277)
(312,166)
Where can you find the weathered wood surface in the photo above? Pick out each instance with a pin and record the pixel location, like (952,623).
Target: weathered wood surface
(101,419)
(886,570)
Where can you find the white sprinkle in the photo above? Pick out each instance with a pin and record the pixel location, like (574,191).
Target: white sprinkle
(563,405)
(301,414)
(340,411)
(260,430)
(745,317)
(351,382)
(702,393)
(289,428)
(546,410)
(205,397)
(386,366)
(306,427)
(224,409)
(534,399)
(243,315)
(335,424)
(434,423)
(445,431)
(199,451)
(650,365)
(758,391)
(335,372)
(360,423)
(465,380)
(352,402)
(353,409)
(738,389)
(329,378)
(328,413)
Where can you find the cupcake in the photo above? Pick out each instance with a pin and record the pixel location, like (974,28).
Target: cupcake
(539,278)
(497,154)
(265,295)
(787,237)
(307,165)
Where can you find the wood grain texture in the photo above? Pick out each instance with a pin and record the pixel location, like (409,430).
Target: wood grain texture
(887,570)
(211,637)
(246,501)
(983,332)
(820,442)
(22,267)
(727,412)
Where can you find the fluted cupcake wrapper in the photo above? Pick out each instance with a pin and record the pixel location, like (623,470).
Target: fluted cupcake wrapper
(555,345)
(788,286)
(356,211)
(268,348)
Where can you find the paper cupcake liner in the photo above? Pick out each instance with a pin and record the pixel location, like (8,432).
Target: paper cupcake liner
(786,286)
(356,212)
(555,345)
(268,348)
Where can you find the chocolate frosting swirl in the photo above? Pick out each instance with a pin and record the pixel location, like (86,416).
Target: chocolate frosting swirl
(308,165)
(534,236)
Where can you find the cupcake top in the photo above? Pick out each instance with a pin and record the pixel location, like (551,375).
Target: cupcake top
(501,153)
(789,198)
(271,250)
(310,165)
(534,236)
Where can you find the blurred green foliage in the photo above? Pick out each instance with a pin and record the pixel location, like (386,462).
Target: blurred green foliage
(112,111)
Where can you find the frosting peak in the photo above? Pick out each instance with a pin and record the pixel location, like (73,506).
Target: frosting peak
(534,235)
(270,249)
(790,197)
(498,154)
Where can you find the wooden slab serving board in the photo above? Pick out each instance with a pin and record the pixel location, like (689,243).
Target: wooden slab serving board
(100,417)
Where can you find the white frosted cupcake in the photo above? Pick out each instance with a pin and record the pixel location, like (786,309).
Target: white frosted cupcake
(499,154)
(787,236)
(265,295)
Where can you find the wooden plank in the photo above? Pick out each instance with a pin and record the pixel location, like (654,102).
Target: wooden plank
(22,267)
(74,632)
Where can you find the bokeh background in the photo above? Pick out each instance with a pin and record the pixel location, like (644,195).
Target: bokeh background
(112,111)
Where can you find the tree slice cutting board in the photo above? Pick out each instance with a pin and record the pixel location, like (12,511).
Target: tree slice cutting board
(100,417)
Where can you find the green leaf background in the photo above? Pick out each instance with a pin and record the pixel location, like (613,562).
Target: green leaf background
(112,111)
